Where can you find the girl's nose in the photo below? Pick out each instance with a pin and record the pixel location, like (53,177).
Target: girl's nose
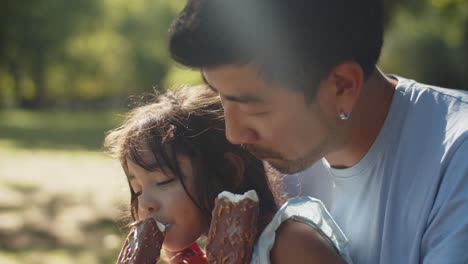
(147,205)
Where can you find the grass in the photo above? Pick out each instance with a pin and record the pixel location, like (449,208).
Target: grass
(61,199)
(56,129)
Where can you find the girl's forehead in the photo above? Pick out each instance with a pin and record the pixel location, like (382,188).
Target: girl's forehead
(146,155)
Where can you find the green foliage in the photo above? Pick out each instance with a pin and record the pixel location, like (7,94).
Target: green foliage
(34,33)
(60,52)
(428,41)
(178,75)
(90,53)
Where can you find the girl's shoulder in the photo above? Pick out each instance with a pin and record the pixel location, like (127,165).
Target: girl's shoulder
(303,229)
(298,242)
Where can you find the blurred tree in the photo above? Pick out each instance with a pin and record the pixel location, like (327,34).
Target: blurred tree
(428,40)
(70,52)
(88,52)
(33,33)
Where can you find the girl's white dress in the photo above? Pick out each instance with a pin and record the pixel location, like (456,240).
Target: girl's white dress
(308,210)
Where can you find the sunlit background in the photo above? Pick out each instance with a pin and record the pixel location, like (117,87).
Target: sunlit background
(69,69)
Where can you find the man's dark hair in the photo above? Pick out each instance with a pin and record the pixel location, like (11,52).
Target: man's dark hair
(294,42)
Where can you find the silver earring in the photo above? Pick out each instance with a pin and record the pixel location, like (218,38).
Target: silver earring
(343,116)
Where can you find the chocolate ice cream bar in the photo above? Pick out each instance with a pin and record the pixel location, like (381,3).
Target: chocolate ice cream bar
(233,228)
(143,243)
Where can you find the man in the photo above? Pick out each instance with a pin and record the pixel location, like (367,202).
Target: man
(300,89)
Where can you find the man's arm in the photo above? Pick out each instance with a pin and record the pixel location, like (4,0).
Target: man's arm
(446,236)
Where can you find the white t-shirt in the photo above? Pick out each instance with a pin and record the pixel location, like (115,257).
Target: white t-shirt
(406,201)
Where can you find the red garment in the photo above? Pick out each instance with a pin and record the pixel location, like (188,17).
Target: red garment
(191,255)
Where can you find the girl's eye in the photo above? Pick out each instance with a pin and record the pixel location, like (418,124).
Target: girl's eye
(165,182)
(138,193)
(259,113)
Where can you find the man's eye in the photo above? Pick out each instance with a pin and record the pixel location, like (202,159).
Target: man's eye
(165,182)
(138,193)
(255,111)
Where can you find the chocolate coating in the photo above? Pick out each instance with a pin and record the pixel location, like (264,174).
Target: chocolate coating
(233,231)
(143,244)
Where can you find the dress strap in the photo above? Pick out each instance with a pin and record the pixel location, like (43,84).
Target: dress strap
(310,211)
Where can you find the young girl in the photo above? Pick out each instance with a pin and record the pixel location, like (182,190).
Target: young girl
(177,160)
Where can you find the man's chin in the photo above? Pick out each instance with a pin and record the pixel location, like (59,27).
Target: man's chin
(278,161)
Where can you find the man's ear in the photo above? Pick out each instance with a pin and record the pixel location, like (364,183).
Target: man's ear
(235,163)
(347,79)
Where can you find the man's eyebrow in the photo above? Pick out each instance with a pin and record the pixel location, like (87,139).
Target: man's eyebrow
(246,99)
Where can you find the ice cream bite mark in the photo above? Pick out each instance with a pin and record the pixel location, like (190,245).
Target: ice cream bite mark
(162,227)
(235,198)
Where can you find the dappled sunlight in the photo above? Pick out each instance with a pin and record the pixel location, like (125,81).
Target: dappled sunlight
(61,206)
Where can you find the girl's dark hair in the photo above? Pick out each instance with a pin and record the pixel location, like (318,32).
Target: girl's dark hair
(294,42)
(189,121)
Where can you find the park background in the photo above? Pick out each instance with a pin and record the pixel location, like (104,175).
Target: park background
(70,69)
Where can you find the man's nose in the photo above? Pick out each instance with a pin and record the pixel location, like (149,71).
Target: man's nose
(237,130)
(147,205)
